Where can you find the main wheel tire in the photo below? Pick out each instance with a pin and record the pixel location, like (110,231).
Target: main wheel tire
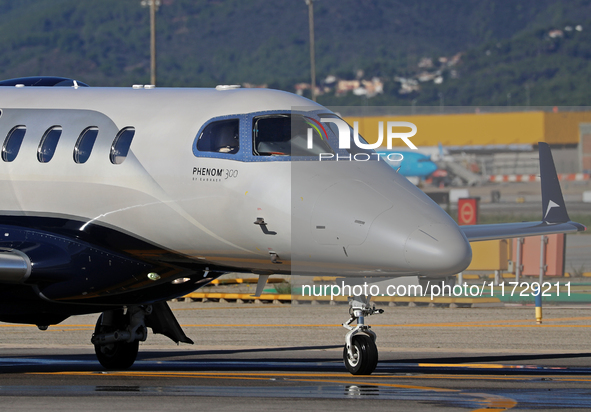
(365,356)
(118,355)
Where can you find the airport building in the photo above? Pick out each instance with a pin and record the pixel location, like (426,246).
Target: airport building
(505,140)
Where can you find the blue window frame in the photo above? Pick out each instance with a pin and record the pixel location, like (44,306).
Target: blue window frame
(221,137)
(251,136)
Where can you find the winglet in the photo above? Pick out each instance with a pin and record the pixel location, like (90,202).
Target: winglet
(553,206)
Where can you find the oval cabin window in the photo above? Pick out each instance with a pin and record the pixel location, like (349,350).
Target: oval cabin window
(85,144)
(48,144)
(121,145)
(12,143)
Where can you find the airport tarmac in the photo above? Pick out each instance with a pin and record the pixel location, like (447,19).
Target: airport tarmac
(289,357)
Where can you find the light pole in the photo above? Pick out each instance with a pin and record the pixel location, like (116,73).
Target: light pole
(310,4)
(153,4)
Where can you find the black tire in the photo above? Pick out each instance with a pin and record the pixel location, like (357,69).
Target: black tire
(118,355)
(366,356)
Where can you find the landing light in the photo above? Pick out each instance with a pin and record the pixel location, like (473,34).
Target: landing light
(180,280)
(153,276)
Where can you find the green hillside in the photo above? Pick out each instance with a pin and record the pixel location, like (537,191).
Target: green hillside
(208,42)
(531,68)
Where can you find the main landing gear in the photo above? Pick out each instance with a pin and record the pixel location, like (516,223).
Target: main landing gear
(118,333)
(360,353)
(117,336)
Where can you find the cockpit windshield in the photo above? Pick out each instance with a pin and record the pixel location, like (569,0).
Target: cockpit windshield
(288,135)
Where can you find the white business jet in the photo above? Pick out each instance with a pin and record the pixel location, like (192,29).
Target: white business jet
(115,200)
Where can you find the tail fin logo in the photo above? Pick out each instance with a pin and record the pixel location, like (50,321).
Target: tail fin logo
(551,204)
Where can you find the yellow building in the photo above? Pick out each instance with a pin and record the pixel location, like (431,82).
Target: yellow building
(482,129)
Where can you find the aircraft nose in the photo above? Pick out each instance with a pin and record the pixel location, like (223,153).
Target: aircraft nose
(437,249)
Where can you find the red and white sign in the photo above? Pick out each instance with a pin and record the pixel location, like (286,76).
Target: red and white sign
(467,211)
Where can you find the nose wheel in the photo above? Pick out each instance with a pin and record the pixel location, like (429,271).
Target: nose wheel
(360,353)
(364,358)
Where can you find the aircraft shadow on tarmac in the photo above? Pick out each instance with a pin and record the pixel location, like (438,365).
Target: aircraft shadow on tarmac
(488,358)
(295,358)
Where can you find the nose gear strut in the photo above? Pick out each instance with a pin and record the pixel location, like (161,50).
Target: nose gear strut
(360,353)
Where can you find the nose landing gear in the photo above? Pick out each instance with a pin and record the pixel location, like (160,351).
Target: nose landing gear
(360,353)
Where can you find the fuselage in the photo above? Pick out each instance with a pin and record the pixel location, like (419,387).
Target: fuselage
(235,209)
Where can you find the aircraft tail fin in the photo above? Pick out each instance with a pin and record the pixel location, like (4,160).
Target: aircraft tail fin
(441,154)
(553,206)
(555,218)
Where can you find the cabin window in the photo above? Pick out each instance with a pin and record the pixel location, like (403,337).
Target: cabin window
(12,143)
(287,135)
(121,145)
(85,144)
(221,137)
(48,144)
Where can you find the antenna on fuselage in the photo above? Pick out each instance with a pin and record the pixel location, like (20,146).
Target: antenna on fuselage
(227,86)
